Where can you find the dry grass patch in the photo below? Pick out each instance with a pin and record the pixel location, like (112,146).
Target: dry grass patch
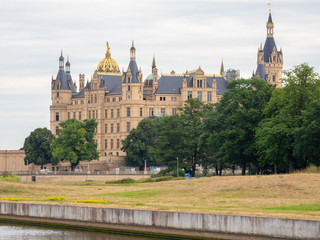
(273,195)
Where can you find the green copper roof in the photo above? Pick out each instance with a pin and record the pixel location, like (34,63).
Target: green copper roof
(150,77)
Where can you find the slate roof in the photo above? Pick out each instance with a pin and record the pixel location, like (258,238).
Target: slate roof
(270,18)
(112,83)
(134,71)
(69,79)
(221,85)
(268,48)
(172,84)
(62,77)
(79,94)
(262,71)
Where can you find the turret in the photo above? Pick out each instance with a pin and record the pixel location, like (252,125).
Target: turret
(81,81)
(61,61)
(68,66)
(132,52)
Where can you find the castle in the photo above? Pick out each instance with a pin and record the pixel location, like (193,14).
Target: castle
(269,59)
(120,100)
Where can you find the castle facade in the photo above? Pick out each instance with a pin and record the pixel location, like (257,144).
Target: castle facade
(120,100)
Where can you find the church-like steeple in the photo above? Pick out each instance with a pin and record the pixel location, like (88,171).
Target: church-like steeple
(270,25)
(153,63)
(222,68)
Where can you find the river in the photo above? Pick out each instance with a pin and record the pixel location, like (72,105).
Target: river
(20,232)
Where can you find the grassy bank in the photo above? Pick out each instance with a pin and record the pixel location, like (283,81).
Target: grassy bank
(294,196)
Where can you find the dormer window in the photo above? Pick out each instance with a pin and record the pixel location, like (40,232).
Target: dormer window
(128,79)
(58,87)
(274,58)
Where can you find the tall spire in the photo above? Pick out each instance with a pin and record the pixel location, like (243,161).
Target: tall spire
(61,61)
(68,66)
(153,62)
(132,52)
(270,24)
(222,68)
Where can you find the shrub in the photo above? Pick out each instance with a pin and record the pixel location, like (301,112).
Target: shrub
(55,198)
(122,181)
(6,177)
(91,201)
(311,169)
(15,199)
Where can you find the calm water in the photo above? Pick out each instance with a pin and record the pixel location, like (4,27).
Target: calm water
(17,232)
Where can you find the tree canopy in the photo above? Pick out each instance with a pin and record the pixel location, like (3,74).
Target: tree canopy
(37,147)
(286,115)
(255,126)
(75,142)
(139,144)
(228,130)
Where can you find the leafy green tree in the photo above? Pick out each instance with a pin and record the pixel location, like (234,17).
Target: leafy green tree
(284,116)
(307,138)
(171,143)
(139,144)
(230,128)
(37,147)
(191,117)
(75,142)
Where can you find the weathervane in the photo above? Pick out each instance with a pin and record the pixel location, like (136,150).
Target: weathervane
(269,4)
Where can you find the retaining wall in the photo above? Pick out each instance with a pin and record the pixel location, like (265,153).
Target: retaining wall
(197,222)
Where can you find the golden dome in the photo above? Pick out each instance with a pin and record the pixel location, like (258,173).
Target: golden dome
(108,64)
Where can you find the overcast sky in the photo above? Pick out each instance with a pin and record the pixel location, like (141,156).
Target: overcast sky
(182,34)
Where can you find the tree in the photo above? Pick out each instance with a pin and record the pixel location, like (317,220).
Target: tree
(228,131)
(284,116)
(37,147)
(171,143)
(307,138)
(191,116)
(139,144)
(75,142)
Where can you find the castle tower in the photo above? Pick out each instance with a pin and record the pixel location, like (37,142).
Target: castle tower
(132,79)
(61,92)
(269,59)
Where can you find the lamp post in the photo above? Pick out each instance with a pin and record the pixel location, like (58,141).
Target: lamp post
(177,167)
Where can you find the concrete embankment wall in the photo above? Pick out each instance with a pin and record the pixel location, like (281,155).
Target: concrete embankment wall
(161,221)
